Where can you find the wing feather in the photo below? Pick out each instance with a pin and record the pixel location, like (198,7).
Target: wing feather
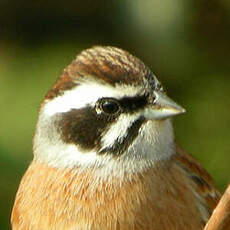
(204,187)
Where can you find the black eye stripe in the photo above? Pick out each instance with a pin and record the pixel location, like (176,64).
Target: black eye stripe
(132,104)
(125,104)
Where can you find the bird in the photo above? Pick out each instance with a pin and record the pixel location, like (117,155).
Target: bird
(105,155)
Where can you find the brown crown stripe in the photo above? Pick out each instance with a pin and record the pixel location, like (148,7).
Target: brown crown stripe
(108,64)
(64,83)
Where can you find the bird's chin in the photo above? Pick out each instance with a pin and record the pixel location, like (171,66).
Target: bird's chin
(155,141)
(153,145)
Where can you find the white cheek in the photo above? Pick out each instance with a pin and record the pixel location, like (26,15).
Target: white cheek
(65,155)
(118,130)
(86,94)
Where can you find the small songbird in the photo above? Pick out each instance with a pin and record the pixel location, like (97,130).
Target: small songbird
(105,157)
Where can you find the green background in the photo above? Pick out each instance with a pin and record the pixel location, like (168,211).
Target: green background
(185,43)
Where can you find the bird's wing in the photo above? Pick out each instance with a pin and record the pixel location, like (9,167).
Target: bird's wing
(204,187)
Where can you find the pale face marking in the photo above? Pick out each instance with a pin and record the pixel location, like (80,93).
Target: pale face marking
(143,153)
(87,94)
(118,130)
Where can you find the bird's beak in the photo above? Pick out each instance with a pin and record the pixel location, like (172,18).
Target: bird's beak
(163,107)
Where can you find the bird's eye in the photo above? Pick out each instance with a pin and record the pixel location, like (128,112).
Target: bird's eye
(109,106)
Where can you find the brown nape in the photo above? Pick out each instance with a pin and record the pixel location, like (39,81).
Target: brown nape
(108,64)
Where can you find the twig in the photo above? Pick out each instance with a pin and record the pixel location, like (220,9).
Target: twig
(220,219)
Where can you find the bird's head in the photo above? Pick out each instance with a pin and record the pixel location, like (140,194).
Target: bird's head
(106,111)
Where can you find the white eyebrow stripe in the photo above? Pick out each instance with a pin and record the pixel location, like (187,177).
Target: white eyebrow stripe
(87,93)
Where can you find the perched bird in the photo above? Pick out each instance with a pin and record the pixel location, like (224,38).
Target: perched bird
(105,157)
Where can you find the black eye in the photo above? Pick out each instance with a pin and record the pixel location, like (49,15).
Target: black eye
(110,106)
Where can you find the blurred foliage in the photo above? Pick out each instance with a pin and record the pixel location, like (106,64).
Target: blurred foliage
(186,43)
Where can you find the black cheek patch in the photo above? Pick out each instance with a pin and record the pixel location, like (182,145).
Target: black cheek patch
(84,127)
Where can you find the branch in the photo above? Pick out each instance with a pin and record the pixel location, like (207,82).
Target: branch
(220,218)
